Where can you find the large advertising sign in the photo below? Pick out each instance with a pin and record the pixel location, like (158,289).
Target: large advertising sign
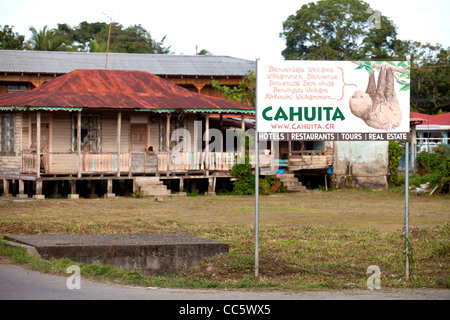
(333,100)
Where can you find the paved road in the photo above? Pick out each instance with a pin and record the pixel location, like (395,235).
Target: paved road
(18,283)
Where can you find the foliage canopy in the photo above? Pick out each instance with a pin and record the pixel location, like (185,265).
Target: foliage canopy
(244,93)
(10,40)
(94,36)
(338,30)
(345,30)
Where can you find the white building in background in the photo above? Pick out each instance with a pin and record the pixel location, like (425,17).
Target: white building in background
(434,130)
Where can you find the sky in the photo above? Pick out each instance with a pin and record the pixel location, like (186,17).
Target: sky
(246,29)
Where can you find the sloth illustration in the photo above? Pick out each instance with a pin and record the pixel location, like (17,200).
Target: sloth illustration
(378,107)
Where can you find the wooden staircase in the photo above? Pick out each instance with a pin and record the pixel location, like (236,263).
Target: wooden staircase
(290,182)
(150,187)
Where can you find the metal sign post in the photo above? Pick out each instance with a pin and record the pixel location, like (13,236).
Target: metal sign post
(332,101)
(257,209)
(256,183)
(407,203)
(407,210)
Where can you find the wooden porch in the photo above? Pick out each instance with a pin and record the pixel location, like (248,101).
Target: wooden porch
(310,159)
(127,164)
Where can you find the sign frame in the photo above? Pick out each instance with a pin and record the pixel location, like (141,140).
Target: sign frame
(374,132)
(302,100)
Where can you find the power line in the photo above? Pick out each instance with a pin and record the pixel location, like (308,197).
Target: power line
(423,100)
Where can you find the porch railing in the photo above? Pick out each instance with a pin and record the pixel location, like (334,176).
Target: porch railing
(68,162)
(29,162)
(88,163)
(105,162)
(196,161)
(144,163)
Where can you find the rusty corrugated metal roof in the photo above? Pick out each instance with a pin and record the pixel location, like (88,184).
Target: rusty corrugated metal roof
(106,89)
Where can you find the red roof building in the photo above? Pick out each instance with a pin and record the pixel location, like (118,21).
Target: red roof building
(113,89)
(432,130)
(114,124)
(442,119)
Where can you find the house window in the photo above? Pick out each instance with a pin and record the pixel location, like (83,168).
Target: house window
(90,133)
(7,125)
(17,87)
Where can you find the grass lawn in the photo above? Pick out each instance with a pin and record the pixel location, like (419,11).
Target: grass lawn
(313,240)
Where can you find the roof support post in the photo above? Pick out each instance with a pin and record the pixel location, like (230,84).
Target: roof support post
(207,155)
(290,151)
(119,128)
(243,135)
(221,132)
(38,145)
(79,142)
(168,115)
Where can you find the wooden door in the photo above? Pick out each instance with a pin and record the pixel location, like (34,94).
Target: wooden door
(45,143)
(44,137)
(138,136)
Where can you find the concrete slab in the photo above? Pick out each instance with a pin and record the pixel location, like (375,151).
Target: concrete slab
(152,254)
(29,249)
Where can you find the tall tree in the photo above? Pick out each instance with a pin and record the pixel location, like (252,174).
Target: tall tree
(244,93)
(10,40)
(134,39)
(92,37)
(202,52)
(98,46)
(430,82)
(338,30)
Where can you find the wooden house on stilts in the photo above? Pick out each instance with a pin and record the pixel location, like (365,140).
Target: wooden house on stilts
(69,128)
(97,131)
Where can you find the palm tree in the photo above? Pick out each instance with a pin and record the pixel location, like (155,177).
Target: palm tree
(45,39)
(97,46)
(202,52)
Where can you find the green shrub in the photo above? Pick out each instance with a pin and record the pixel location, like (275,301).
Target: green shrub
(241,170)
(395,154)
(246,183)
(416,180)
(265,184)
(429,162)
(434,168)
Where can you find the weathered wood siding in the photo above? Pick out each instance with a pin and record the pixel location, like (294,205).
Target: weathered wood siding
(109,132)
(144,163)
(311,159)
(190,126)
